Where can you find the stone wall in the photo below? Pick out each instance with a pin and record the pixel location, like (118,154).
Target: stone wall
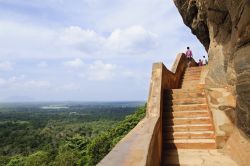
(143,145)
(223,27)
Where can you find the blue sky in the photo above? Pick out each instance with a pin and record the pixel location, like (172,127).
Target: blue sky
(87,50)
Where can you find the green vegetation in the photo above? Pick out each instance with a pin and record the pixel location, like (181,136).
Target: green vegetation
(80,135)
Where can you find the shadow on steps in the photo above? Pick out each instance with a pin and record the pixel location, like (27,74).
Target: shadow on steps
(166,157)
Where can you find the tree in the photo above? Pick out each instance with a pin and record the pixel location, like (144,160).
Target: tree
(40,158)
(4,160)
(17,161)
(67,156)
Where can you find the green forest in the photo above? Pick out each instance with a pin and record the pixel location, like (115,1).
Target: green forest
(76,135)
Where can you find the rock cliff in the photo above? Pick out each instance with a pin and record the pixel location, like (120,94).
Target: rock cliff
(223,27)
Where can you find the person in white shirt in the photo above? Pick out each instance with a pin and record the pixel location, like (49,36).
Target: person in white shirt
(204,61)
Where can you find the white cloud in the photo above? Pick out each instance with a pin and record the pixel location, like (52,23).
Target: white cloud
(84,39)
(69,87)
(2,81)
(14,81)
(100,71)
(21,40)
(72,41)
(134,39)
(36,84)
(6,66)
(42,64)
(76,63)
(21,82)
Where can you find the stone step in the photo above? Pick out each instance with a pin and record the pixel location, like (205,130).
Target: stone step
(190,86)
(190,82)
(192,74)
(187,114)
(194,69)
(191,79)
(190,144)
(184,101)
(193,86)
(187,121)
(193,152)
(189,135)
(177,91)
(187,95)
(196,157)
(190,107)
(192,127)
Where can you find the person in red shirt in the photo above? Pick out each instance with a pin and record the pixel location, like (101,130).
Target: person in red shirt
(189,53)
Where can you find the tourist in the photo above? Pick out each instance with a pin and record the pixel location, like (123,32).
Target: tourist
(204,61)
(200,62)
(189,53)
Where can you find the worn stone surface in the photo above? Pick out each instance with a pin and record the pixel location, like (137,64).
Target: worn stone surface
(223,27)
(187,157)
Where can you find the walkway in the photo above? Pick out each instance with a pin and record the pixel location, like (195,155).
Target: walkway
(187,157)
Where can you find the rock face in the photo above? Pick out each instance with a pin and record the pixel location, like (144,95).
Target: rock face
(223,27)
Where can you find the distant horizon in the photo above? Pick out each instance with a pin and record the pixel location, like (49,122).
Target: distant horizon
(132,101)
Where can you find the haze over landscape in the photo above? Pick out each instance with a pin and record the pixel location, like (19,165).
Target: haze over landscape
(87,50)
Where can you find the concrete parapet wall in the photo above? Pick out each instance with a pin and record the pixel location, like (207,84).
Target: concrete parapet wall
(143,145)
(133,148)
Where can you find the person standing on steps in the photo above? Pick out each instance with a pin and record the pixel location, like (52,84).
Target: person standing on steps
(200,63)
(204,61)
(189,54)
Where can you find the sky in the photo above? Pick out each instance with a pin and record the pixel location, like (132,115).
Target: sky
(87,50)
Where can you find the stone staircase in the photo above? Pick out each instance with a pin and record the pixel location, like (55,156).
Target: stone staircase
(187,122)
